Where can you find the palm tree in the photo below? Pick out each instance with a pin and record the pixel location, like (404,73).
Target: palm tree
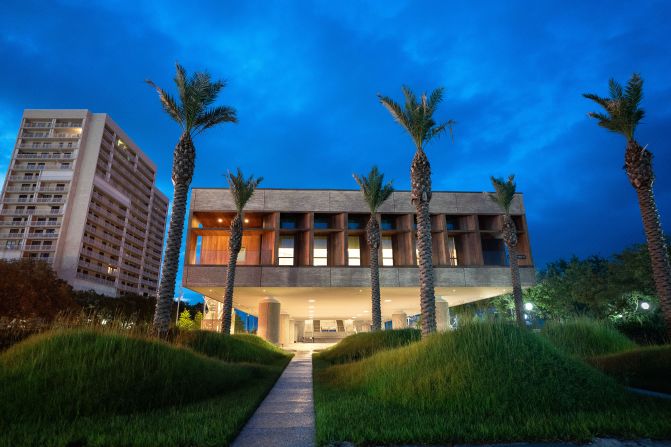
(505,192)
(242,190)
(417,119)
(194,113)
(622,115)
(375,193)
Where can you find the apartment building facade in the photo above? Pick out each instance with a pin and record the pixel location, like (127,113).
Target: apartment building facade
(81,195)
(304,264)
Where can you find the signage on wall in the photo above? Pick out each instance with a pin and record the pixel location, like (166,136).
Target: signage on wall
(521,256)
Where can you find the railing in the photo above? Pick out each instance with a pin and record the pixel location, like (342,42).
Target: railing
(34,200)
(66,135)
(12,235)
(12,246)
(34,135)
(130,268)
(23,178)
(132,249)
(99,233)
(31,212)
(41,146)
(94,279)
(39,248)
(45,223)
(99,257)
(97,244)
(42,235)
(220,257)
(37,125)
(31,168)
(99,221)
(46,156)
(96,268)
(36,189)
(68,124)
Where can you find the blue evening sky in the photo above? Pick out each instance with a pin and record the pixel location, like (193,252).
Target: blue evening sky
(303,77)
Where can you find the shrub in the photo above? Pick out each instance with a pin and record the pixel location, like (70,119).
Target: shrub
(362,345)
(586,338)
(648,368)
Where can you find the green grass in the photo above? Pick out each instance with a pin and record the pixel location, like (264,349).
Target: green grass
(236,348)
(104,388)
(365,344)
(586,338)
(481,383)
(648,368)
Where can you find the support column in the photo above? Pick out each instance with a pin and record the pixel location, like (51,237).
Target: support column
(284,329)
(269,320)
(399,320)
(442,314)
(300,330)
(292,330)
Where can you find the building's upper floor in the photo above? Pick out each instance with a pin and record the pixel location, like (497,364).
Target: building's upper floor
(327,228)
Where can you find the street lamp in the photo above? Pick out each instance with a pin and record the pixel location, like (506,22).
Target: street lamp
(528,307)
(645,305)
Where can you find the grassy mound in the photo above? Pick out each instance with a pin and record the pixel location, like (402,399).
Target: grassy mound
(586,338)
(648,368)
(481,383)
(234,348)
(359,346)
(81,373)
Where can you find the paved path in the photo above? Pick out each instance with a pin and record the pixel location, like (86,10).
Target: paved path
(286,417)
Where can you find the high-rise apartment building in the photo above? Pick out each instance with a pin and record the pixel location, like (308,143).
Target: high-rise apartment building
(81,195)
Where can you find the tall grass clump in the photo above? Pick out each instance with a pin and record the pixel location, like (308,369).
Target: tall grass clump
(648,368)
(71,373)
(484,382)
(362,345)
(233,348)
(586,338)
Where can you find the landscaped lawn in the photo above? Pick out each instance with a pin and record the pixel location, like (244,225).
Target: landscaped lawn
(98,388)
(481,383)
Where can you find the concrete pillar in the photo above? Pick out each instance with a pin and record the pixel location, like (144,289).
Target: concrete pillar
(292,331)
(284,329)
(269,320)
(300,330)
(399,320)
(442,314)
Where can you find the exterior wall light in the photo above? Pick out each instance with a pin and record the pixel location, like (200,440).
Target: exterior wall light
(528,307)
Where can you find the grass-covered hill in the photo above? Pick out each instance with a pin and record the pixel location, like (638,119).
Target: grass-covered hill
(91,387)
(480,383)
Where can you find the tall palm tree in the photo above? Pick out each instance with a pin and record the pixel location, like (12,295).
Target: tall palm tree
(194,113)
(622,115)
(505,192)
(375,193)
(417,119)
(242,190)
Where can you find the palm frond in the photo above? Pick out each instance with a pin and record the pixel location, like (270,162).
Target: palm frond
(416,117)
(169,104)
(242,189)
(375,191)
(623,112)
(214,116)
(504,192)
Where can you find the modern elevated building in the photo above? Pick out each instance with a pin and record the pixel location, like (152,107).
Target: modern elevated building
(303,268)
(81,195)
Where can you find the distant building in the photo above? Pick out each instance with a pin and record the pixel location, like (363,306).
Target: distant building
(81,195)
(304,264)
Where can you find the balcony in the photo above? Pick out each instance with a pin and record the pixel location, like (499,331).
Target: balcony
(99,257)
(94,279)
(39,146)
(45,157)
(37,125)
(97,244)
(36,247)
(12,235)
(35,212)
(42,235)
(34,200)
(63,124)
(105,270)
(45,223)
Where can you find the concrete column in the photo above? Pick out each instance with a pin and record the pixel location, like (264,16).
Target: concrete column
(442,314)
(292,331)
(269,320)
(399,320)
(300,330)
(284,329)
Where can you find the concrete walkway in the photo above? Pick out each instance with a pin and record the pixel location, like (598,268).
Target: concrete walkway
(287,416)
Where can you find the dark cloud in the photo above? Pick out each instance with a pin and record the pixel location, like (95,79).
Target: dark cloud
(304,75)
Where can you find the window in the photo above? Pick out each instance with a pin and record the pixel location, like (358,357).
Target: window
(387,251)
(320,253)
(451,251)
(288,222)
(321,222)
(353,251)
(387,223)
(286,251)
(65,165)
(452,222)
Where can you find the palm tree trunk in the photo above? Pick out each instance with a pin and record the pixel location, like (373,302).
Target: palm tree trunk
(374,246)
(234,246)
(420,179)
(184,158)
(638,166)
(517,284)
(659,255)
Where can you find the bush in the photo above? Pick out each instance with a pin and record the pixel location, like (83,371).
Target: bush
(586,338)
(362,345)
(66,374)
(648,368)
(233,348)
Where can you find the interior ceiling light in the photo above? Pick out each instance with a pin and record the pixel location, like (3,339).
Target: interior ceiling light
(387,301)
(246,220)
(220,220)
(309,301)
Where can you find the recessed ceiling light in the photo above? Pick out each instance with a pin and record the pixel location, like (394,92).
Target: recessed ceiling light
(454,290)
(246,220)
(210,290)
(365,311)
(387,301)
(309,301)
(360,290)
(264,290)
(220,220)
(354,318)
(311,307)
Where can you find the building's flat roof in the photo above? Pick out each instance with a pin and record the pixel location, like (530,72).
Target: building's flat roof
(347,190)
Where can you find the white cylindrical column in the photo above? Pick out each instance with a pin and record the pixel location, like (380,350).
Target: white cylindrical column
(399,320)
(284,329)
(300,330)
(442,314)
(292,330)
(269,320)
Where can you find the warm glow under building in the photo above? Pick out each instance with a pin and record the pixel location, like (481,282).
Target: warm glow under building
(81,195)
(303,268)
